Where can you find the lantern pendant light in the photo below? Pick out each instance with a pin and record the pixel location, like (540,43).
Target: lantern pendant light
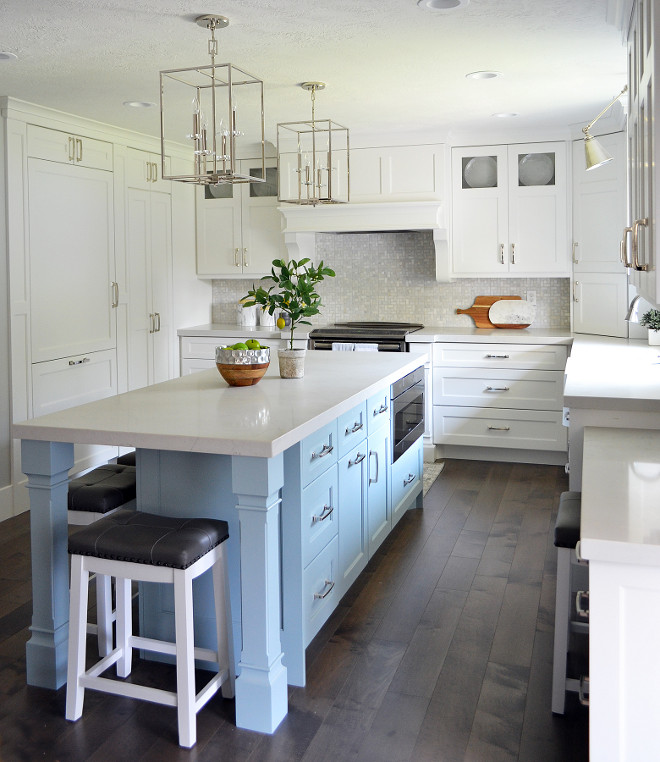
(313,159)
(218,111)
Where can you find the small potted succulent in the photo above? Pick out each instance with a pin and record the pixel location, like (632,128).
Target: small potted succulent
(651,320)
(293,293)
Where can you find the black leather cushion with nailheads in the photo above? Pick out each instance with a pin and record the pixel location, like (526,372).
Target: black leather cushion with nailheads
(103,489)
(567,526)
(147,538)
(127,460)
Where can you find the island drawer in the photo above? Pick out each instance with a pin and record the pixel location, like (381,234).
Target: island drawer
(406,478)
(351,429)
(319,514)
(519,429)
(522,356)
(318,452)
(497,387)
(378,410)
(320,590)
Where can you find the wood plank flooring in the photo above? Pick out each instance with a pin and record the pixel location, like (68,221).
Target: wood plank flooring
(441,651)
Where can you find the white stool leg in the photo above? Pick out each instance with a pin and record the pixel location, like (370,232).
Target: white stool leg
(562,627)
(223,622)
(124,626)
(104,613)
(185,658)
(75,693)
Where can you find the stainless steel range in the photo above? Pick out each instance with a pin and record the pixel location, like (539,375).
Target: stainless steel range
(383,336)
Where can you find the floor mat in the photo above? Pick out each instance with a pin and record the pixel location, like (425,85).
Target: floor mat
(431,473)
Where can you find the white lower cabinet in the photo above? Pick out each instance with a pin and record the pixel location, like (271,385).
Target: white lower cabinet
(352,530)
(508,397)
(198,352)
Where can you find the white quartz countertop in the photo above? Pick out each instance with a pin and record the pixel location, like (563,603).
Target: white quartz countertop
(201,413)
(621,496)
(530,335)
(222,330)
(613,374)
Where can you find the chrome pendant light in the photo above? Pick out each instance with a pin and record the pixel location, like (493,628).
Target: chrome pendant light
(313,159)
(218,110)
(594,153)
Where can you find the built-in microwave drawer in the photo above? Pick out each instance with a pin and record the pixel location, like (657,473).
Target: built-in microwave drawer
(497,387)
(519,429)
(522,356)
(319,514)
(351,429)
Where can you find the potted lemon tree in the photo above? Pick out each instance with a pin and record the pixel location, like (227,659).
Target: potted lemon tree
(651,320)
(293,292)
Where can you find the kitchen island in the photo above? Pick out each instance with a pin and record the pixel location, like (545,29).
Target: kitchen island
(207,449)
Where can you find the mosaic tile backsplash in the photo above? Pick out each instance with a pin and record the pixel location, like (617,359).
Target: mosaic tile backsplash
(391,276)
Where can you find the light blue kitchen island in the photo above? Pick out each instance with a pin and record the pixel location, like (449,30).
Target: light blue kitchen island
(299,468)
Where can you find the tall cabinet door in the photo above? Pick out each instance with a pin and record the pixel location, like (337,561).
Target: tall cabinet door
(71,260)
(161,286)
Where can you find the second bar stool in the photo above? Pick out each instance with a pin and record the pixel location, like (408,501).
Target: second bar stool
(132,545)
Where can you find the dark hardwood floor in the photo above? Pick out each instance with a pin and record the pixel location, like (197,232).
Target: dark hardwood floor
(442,650)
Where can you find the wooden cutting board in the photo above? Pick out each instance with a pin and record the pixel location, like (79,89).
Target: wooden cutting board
(479,310)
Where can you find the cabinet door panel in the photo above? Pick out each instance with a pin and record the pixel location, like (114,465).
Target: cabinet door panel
(140,324)
(378,505)
(600,301)
(218,236)
(71,259)
(161,286)
(351,527)
(262,239)
(366,174)
(534,226)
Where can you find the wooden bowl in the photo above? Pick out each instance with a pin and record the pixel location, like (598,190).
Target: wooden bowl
(242,375)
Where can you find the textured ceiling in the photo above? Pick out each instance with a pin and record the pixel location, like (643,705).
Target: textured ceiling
(389,65)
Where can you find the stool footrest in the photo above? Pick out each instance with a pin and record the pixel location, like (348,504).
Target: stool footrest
(130,690)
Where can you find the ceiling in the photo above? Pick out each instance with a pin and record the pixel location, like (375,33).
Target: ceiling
(389,65)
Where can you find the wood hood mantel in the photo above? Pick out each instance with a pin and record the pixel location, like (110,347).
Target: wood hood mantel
(301,223)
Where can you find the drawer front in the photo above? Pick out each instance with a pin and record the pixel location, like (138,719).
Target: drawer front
(406,476)
(523,356)
(195,366)
(200,347)
(351,429)
(519,429)
(318,452)
(319,516)
(516,389)
(378,410)
(320,590)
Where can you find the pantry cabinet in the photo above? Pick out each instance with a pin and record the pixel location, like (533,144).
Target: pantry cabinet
(640,237)
(239,229)
(69,148)
(148,240)
(510,211)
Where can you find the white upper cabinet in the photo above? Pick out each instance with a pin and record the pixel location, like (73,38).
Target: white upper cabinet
(398,173)
(510,211)
(68,148)
(239,229)
(644,181)
(144,170)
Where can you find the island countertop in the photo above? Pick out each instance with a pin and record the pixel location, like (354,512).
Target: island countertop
(201,413)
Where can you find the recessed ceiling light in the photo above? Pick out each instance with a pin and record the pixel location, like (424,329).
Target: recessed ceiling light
(483,74)
(505,114)
(5,56)
(139,104)
(442,6)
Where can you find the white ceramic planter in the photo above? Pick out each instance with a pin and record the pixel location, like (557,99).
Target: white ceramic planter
(654,337)
(292,362)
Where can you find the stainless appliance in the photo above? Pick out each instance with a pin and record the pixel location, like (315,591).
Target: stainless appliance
(388,337)
(407,405)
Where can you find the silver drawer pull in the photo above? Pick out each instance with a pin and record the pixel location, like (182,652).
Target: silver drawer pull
(356,427)
(497,357)
(330,585)
(582,603)
(409,480)
(382,409)
(79,362)
(496,389)
(327,449)
(583,691)
(499,428)
(327,511)
(358,459)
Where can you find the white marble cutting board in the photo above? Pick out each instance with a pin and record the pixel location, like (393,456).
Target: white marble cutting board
(512,312)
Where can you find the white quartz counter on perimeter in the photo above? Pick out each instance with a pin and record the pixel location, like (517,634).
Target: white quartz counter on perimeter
(620,537)
(201,413)
(228,330)
(530,335)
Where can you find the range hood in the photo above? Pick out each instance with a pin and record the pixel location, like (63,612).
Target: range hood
(301,223)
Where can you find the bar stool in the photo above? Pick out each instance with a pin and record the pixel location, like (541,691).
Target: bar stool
(133,545)
(567,536)
(92,496)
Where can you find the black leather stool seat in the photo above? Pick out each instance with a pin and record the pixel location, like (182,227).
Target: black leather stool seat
(147,538)
(127,460)
(103,489)
(567,526)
